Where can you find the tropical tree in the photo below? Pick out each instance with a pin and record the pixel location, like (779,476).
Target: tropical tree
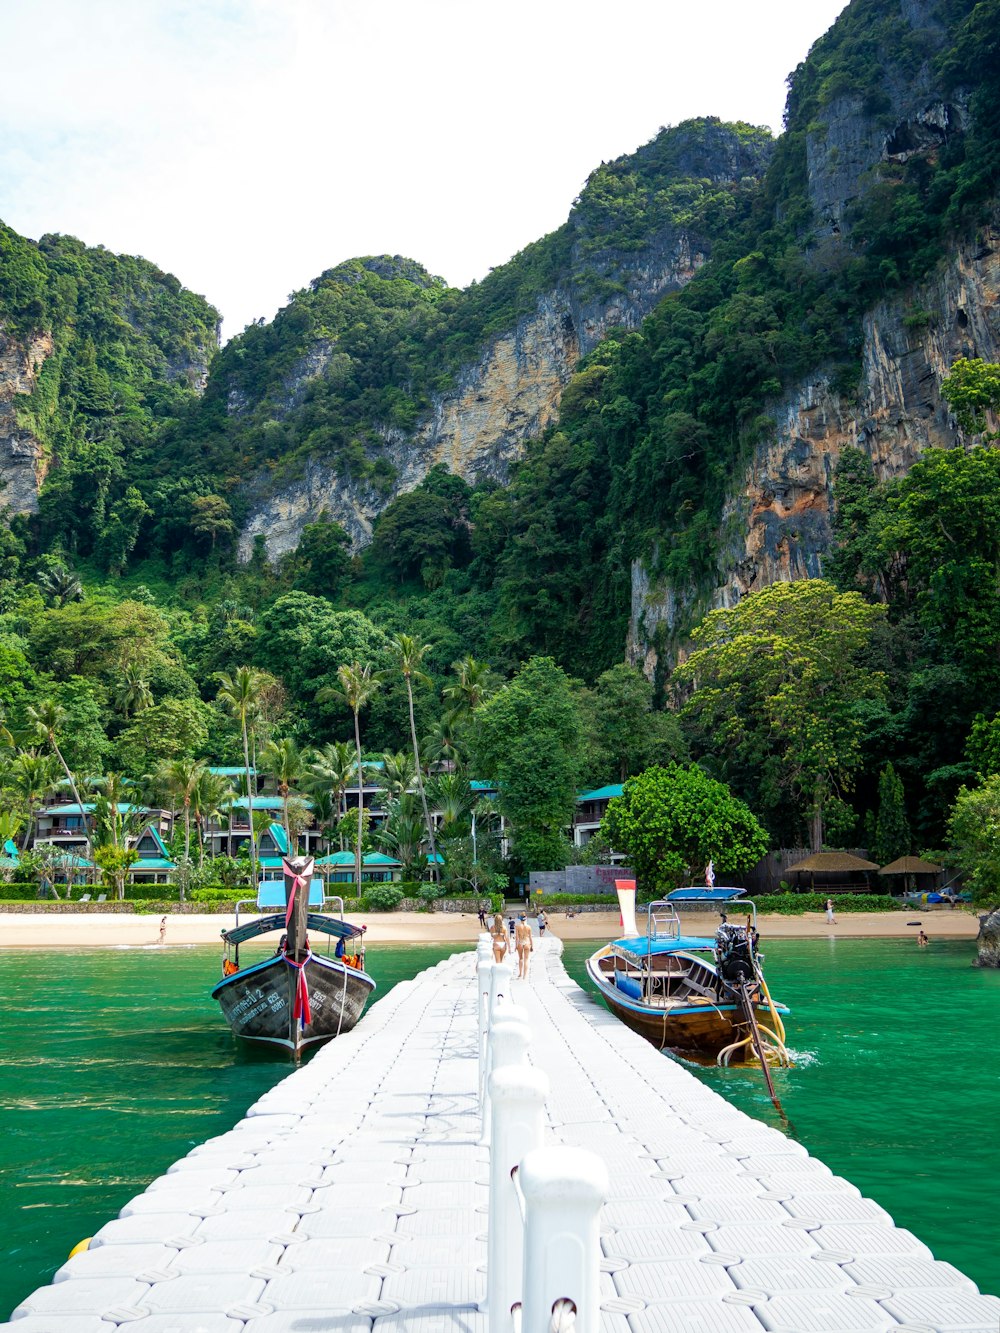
(60,585)
(133,694)
(287,764)
(475,683)
(402,836)
(974,829)
(117,821)
(670,822)
(397,775)
(441,743)
(211,796)
(32,777)
(358,685)
(46,719)
(409,654)
(529,738)
(178,780)
(239,694)
(775,687)
(328,775)
(892,828)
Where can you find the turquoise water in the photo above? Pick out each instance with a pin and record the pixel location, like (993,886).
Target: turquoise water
(114,1064)
(896,1080)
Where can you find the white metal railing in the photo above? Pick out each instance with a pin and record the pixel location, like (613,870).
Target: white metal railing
(543,1236)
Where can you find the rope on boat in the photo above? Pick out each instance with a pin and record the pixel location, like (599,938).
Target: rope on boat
(563,1317)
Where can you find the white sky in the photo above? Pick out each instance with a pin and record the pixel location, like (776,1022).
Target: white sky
(247,145)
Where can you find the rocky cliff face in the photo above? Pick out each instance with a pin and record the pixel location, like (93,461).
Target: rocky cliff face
(22,459)
(776,524)
(499,402)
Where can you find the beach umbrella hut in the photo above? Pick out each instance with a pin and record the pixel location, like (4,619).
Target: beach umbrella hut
(832,863)
(910,866)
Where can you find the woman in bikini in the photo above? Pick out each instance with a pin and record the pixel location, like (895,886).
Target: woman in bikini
(523,945)
(501,940)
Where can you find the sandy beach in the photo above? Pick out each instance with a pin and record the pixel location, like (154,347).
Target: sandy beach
(97,930)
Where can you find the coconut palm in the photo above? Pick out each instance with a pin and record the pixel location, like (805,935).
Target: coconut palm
(132,693)
(32,777)
(409,654)
(440,744)
(287,764)
(46,719)
(476,682)
(358,685)
(329,772)
(454,800)
(211,795)
(178,780)
(398,772)
(60,585)
(239,694)
(402,836)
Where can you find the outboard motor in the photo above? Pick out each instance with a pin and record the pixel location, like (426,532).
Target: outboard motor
(734,954)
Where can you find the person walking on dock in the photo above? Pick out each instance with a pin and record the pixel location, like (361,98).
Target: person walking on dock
(543,921)
(501,940)
(523,945)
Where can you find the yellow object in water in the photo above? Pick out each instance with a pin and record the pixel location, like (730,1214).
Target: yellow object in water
(80,1247)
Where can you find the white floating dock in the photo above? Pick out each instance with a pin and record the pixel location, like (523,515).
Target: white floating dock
(352,1198)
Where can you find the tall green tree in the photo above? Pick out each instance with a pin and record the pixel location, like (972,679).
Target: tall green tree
(358,684)
(409,654)
(240,694)
(892,828)
(46,719)
(626,735)
(670,822)
(774,687)
(287,764)
(529,738)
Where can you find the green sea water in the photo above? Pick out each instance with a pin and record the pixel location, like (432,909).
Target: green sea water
(114,1063)
(896,1084)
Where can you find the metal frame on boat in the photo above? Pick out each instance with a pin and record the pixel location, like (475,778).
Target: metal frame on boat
(297,998)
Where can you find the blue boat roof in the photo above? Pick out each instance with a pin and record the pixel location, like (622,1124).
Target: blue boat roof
(271,893)
(705,894)
(639,944)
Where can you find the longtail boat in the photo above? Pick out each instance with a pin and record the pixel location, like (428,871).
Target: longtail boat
(705,995)
(297,997)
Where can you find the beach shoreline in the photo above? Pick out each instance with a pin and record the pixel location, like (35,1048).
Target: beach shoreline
(97,930)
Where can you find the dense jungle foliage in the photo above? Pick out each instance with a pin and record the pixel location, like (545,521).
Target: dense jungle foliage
(122,601)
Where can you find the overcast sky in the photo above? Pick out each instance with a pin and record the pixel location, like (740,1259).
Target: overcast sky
(247,145)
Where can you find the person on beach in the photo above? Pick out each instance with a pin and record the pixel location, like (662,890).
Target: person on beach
(523,945)
(482,915)
(922,940)
(831,920)
(543,921)
(501,940)
(163,929)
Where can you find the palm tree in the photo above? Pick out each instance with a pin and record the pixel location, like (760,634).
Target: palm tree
(239,694)
(440,743)
(32,776)
(210,795)
(476,682)
(60,585)
(116,821)
(331,769)
(454,798)
(409,654)
(398,773)
(46,719)
(287,764)
(357,688)
(133,693)
(402,836)
(178,779)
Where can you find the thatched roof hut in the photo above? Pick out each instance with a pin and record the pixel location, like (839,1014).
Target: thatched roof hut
(842,863)
(910,865)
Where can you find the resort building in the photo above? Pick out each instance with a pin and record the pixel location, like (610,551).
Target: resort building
(590,810)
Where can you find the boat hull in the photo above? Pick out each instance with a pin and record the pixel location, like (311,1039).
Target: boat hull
(258,1002)
(697,1027)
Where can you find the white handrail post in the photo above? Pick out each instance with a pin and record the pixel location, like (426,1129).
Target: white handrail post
(563,1189)
(506,1044)
(500,986)
(484,962)
(517,1096)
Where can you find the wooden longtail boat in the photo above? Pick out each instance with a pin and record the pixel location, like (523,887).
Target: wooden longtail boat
(296,998)
(691,993)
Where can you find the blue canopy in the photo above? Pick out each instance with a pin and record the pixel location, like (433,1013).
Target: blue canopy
(701,892)
(271,893)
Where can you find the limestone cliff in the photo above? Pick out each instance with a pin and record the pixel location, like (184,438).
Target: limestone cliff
(776,524)
(23,462)
(507,396)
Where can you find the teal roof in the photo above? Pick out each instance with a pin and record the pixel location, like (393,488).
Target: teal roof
(478,785)
(230,770)
(88,809)
(259,803)
(10,849)
(347,859)
(153,863)
(601,793)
